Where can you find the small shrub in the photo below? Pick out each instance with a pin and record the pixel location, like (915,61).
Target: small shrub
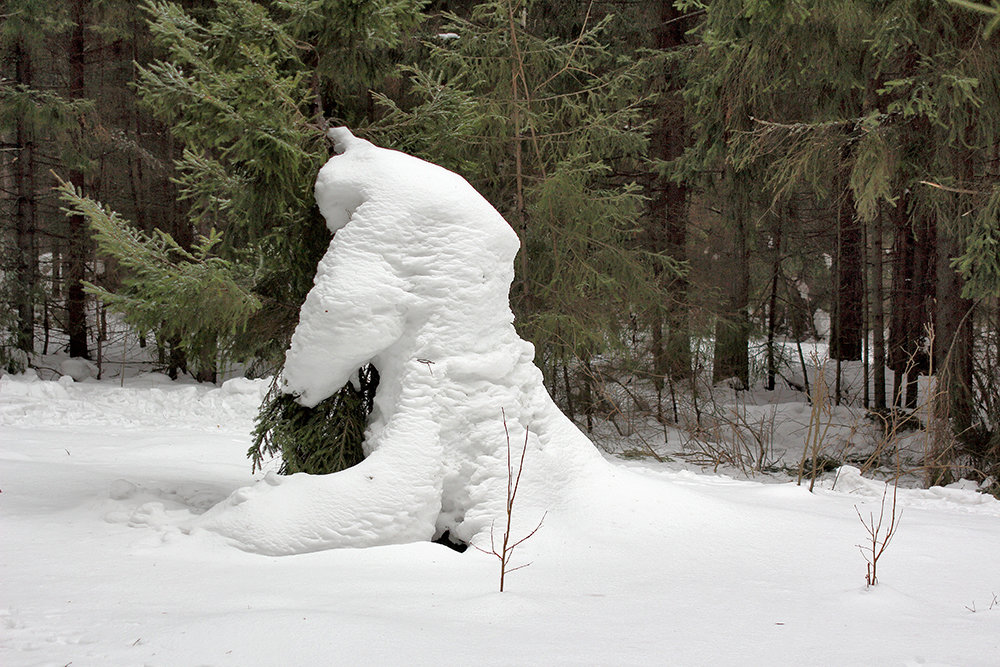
(879,534)
(508,544)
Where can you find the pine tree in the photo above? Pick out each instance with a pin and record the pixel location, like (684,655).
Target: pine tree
(993,11)
(78,246)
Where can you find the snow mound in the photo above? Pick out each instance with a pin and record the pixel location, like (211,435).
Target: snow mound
(963,493)
(77,368)
(26,400)
(415,281)
(27,386)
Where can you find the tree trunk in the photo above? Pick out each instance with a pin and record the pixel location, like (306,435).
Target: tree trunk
(668,212)
(911,293)
(137,178)
(847,325)
(772,305)
(921,307)
(877,314)
(76,312)
(26,214)
(953,335)
(901,343)
(732,334)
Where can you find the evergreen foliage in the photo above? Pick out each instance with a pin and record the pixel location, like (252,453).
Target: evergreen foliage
(808,124)
(876,108)
(36,123)
(239,87)
(542,126)
(993,11)
(13,357)
(199,300)
(233,93)
(894,91)
(318,440)
(44,113)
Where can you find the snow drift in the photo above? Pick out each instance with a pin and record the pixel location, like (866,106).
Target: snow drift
(415,281)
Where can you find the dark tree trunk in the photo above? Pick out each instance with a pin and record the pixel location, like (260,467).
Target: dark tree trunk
(953,335)
(668,212)
(772,305)
(901,342)
(921,307)
(732,335)
(877,314)
(26,213)
(911,293)
(137,177)
(848,320)
(76,312)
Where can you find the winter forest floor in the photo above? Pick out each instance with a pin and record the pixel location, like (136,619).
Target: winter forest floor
(708,561)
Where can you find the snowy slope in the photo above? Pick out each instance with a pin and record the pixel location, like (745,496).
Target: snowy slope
(676,569)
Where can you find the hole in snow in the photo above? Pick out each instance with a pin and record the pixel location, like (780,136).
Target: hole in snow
(452,543)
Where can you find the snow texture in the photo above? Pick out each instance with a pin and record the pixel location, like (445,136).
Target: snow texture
(649,565)
(415,281)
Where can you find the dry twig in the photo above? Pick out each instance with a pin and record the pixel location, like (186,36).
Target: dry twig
(879,539)
(513,481)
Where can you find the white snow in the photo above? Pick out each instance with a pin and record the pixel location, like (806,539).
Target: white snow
(651,566)
(415,281)
(78,369)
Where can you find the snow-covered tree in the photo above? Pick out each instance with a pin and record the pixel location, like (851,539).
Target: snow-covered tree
(415,281)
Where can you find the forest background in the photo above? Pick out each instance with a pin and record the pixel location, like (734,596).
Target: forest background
(699,187)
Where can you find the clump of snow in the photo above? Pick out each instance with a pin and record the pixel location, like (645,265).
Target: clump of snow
(242,386)
(962,493)
(77,368)
(121,489)
(415,281)
(146,403)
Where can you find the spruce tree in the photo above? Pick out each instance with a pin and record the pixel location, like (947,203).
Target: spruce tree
(541,125)
(242,85)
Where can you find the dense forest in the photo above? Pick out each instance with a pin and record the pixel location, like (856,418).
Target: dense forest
(699,186)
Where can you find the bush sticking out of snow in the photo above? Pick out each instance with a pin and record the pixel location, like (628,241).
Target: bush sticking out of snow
(322,439)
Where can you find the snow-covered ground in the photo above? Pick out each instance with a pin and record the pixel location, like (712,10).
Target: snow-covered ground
(656,566)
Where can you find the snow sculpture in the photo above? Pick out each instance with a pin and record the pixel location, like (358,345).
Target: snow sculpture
(416,281)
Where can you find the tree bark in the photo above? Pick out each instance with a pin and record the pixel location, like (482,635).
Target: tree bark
(911,293)
(953,336)
(772,306)
(848,320)
(668,213)
(877,314)
(732,335)
(76,311)
(26,212)
(901,343)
